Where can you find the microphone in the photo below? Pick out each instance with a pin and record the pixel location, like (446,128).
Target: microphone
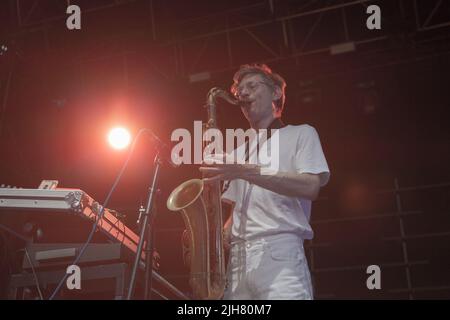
(166,154)
(164,150)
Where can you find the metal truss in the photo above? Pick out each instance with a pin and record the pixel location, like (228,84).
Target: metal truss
(423,22)
(404,263)
(296,33)
(275,32)
(36,12)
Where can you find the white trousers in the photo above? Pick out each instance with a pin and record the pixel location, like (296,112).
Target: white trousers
(269,268)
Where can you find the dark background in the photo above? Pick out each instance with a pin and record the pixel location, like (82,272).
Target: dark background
(381,112)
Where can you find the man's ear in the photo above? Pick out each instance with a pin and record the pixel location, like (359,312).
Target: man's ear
(276,94)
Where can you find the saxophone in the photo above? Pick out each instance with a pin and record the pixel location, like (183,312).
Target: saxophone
(201,209)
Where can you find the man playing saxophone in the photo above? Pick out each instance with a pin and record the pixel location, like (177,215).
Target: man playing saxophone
(271,212)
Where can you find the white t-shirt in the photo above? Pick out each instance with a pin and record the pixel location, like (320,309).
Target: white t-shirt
(259,212)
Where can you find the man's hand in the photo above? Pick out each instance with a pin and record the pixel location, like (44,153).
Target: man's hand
(229,172)
(227,234)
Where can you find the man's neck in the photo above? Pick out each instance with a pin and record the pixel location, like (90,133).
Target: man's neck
(263,124)
(272,123)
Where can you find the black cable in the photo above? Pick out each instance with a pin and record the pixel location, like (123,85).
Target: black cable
(36,279)
(21,237)
(101,212)
(6,258)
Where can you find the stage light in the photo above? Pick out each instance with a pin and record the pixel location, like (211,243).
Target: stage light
(119,138)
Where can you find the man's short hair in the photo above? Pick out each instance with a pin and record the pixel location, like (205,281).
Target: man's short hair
(272,79)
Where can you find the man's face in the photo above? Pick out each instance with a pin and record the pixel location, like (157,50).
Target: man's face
(259,96)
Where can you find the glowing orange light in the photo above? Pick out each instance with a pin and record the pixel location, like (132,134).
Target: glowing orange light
(119,138)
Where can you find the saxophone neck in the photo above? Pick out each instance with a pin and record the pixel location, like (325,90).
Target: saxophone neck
(216,92)
(211,100)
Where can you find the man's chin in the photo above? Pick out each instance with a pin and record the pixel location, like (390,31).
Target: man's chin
(252,116)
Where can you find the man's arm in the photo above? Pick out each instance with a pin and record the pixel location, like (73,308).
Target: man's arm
(301,185)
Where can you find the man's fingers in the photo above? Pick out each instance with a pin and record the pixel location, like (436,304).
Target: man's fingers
(211,172)
(223,176)
(215,178)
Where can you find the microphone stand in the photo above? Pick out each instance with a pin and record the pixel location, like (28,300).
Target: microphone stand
(146,224)
(149,257)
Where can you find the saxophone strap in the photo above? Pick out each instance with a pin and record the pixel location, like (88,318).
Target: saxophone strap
(277,123)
